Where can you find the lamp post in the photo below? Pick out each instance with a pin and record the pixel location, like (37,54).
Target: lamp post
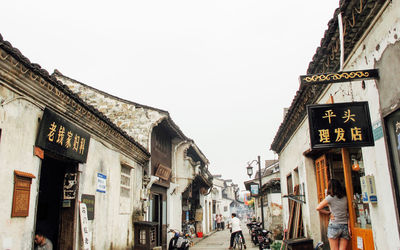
(249,169)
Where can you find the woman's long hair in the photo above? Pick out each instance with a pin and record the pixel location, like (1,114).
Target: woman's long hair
(336,189)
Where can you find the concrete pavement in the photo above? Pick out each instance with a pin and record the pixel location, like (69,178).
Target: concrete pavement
(220,240)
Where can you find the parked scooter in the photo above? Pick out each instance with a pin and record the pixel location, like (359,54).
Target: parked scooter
(254,231)
(179,241)
(264,239)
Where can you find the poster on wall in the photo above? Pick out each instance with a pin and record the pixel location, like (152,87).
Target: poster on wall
(89,200)
(101,183)
(340,125)
(69,186)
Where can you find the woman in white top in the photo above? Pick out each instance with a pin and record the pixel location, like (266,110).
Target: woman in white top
(338,229)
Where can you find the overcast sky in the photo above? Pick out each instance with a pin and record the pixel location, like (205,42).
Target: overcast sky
(224,70)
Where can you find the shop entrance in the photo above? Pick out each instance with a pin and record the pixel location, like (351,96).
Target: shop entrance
(158,213)
(55,215)
(346,165)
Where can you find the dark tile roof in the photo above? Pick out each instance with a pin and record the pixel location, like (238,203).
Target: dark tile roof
(357,17)
(172,125)
(37,69)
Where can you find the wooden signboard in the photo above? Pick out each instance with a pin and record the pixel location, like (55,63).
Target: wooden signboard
(340,125)
(21,196)
(163,172)
(89,200)
(61,136)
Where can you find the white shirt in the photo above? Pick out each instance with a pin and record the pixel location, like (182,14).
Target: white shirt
(235,224)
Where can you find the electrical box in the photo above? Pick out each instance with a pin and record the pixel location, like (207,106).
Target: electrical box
(368,189)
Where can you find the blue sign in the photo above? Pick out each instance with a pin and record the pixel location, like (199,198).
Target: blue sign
(377,130)
(101,183)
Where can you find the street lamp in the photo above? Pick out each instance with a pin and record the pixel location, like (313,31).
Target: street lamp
(249,169)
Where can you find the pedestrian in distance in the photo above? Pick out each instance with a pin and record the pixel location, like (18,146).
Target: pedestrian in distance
(218,222)
(235,229)
(339,232)
(42,242)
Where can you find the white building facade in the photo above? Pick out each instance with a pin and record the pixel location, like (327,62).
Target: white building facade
(371,42)
(57,153)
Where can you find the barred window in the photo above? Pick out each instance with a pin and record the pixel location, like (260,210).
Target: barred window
(125,181)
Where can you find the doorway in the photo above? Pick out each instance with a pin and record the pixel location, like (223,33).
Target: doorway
(346,165)
(158,213)
(55,216)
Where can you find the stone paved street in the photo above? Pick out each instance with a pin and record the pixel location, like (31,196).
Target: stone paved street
(220,240)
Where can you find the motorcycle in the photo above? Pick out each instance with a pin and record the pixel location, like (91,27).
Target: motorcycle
(179,241)
(254,230)
(264,239)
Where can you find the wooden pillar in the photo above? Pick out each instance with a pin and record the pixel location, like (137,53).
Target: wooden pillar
(349,189)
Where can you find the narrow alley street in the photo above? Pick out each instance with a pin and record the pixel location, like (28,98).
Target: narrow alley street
(220,240)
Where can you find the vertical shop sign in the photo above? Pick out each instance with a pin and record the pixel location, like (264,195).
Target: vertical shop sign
(101,183)
(61,136)
(340,125)
(84,226)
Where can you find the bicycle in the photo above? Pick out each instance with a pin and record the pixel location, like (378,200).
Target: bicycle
(238,241)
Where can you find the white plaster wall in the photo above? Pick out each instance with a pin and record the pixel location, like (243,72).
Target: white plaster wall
(275,198)
(290,158)
(174,210)
(111,225)
(19,124)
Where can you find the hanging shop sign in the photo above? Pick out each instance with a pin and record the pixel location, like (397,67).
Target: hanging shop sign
(344,76)
(254,189)
(61,136)
(163,172)
(340,125)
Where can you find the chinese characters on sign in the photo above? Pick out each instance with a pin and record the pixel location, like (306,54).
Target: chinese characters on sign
(101,183)
(84,226)
(340,125)
(163,172)
(58,135)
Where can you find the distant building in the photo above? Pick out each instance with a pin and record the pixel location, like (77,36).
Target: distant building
(271,194)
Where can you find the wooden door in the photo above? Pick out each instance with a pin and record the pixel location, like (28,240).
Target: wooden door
(321,172)
(363,235)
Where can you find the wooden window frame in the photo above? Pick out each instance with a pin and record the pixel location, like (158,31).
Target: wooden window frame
(21,194)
